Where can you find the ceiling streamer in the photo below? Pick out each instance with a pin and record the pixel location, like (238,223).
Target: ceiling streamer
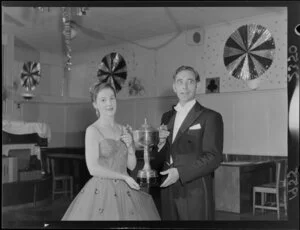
(249,52)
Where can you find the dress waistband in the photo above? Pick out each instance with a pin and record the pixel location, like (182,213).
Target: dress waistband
(109,179)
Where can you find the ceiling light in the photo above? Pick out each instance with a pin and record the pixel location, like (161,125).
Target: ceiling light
(73,32)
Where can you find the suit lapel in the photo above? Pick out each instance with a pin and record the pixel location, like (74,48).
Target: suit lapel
(170,126)
(190,118)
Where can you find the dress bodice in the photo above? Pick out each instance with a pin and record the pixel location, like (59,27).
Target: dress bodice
(113,155)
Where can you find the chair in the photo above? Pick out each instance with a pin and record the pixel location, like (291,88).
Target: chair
(277,188)
(64,178)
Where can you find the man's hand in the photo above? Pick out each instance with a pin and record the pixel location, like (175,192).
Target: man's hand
(163,134)
(173,176)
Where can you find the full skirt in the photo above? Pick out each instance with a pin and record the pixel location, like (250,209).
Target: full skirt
(107,199)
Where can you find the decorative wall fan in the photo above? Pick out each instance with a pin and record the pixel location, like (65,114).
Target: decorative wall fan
(30,77)
(113,70)
(249,52)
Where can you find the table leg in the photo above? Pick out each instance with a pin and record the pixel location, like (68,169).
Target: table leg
(34,194)
(76,174)
(42,165)
(48,165)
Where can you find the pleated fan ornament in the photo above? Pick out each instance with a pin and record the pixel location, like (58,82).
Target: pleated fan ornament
(30,77)
(249,52)
(113,70)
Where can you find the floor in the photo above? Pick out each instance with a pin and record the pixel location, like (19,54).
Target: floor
(53,211)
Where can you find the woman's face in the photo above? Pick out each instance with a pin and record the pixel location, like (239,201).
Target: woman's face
(106,102)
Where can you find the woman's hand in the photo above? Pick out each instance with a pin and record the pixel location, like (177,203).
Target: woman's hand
(126,137)
(132,183)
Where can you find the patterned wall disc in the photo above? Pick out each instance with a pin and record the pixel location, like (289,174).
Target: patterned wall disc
(112,69)
(30,75)
(249,52)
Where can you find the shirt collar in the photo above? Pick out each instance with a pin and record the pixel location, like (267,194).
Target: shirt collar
(186,107)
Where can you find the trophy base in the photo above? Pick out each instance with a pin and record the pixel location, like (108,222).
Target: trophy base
(147,177)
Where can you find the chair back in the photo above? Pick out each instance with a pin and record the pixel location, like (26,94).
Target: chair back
(280,172)
(53,168)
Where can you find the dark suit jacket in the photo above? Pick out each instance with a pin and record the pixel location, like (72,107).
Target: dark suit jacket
(196,154)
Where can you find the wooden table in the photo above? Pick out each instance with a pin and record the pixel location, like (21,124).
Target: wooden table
(24,192)
(36,188)
(234,182)
(66,156)
(75,169)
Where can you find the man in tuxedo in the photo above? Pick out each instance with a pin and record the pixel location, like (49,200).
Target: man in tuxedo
(191,145)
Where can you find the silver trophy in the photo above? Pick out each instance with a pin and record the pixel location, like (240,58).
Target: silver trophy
(145,138)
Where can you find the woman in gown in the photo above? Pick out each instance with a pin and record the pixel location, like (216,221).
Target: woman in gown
(111,194)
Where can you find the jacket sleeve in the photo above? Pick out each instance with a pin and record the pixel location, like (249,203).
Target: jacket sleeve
(211,156)
(160,156)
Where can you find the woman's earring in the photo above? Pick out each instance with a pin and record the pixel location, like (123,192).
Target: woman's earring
(97,113)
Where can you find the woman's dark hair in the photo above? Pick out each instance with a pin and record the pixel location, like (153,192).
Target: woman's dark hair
(189,68)
(97,87)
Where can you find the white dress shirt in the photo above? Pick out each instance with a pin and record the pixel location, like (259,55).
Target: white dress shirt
(181,114)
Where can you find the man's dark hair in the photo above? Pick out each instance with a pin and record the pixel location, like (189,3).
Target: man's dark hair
(189,68)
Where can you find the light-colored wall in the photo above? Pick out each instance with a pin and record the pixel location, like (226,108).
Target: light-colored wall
(52,73)
(255,121)
(155,67)
(79,116)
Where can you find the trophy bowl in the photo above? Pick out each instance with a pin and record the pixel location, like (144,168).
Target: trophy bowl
(145,138)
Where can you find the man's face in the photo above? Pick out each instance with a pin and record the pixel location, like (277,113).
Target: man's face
(185,86)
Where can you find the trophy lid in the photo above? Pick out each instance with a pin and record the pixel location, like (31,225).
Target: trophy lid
(147,127)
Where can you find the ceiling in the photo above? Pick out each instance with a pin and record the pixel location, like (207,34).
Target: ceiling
(43,30)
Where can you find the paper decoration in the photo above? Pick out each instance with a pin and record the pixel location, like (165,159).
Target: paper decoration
(30,75)
(212,85)
(135,87)
(112,69)
(66,20)
(249,52)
